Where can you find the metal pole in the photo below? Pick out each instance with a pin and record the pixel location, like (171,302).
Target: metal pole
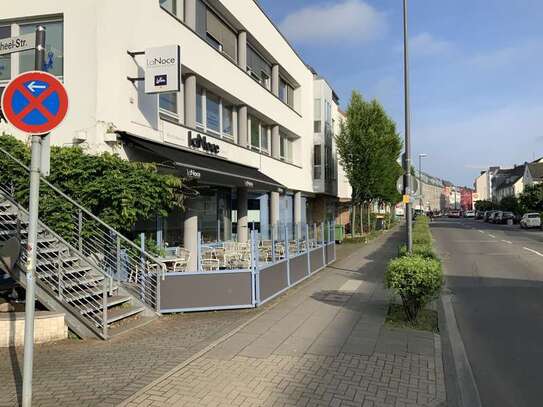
(407,162)
(420,181)
(33,208)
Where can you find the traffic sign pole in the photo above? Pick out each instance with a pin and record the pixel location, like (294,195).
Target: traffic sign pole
(32,245)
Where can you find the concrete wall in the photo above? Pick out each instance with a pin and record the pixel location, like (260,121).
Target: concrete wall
(48,327)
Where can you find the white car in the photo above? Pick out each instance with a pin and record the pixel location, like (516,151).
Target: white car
(530,220)
(469,214)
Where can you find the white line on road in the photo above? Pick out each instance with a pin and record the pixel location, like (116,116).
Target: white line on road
(533,251)
(492,236)
(481,231)
(507,241)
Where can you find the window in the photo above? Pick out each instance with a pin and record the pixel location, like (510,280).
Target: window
(285,148)
(169,5)
(215,31)
(259,136)
(258,68)
(213,108)
(317,126)
(286,92)
(5,60)
(317,162)
(167,103)
(213,113)
(54,50)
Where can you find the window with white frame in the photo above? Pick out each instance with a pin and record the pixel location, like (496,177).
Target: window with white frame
(168,105)
(13,64)
(317,124)
(285,147)
(214,114)
(215,30)
(286,92)
(170,5)
(317,161)
(259,135)
(258,67)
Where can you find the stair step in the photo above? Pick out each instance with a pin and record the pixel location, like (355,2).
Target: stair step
(50,250)
(86,293)
(112,301)
(116,314)
(70,283)
(67,271)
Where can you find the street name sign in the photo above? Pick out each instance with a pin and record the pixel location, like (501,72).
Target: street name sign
(16,44)
(35,102)
(163,69)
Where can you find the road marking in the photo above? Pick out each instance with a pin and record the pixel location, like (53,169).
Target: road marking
(507,241)
(481,231)
(492,236)
(533,251)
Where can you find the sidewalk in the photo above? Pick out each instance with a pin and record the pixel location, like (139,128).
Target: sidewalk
(323,344)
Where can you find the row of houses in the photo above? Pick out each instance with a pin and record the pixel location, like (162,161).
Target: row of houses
(497,183)
(270,118)
(436,194)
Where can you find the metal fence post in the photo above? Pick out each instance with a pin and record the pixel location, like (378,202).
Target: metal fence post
(199,253)
(104,309)
(118,248)
(273,240)
(287,254)
(307,248)
(323,245)
(80,230)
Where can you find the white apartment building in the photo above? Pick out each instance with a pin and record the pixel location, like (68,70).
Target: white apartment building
(244,90)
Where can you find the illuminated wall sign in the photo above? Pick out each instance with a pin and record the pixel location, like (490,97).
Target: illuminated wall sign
(162,69)
(200,142)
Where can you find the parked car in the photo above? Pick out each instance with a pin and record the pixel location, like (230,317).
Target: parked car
(454,214)
(488,215)
(480,215)
(505,217)
(469,214)
(495,216)
(530,220)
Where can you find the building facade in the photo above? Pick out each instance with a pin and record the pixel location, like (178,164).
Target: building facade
(242,129)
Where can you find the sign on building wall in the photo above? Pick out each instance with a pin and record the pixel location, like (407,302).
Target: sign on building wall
(163,69)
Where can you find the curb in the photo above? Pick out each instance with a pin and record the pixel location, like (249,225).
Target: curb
(467,391)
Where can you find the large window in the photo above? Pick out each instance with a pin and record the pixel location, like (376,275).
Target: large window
(167,103)
(169,5)
(54,49)
(5,60)
(317,162)
(317,124)
(259,135)
(213,113)
(54,60)
(286,92)
(215,31)
(258,68)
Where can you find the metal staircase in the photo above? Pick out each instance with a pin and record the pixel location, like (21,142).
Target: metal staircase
(103,282)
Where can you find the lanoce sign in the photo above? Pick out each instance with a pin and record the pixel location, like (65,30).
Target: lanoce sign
(162,69)
(200,142)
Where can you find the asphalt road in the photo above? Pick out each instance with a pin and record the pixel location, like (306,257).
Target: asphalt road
(495,274)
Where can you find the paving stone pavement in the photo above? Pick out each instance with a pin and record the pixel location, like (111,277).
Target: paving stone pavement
(98,373)
(323,345)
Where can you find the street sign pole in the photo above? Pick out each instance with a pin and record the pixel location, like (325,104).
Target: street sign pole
(32,245)
(407,161)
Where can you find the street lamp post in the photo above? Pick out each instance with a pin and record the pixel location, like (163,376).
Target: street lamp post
(407,161)
(421,156)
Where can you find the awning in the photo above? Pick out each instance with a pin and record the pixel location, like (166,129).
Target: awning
(203,168)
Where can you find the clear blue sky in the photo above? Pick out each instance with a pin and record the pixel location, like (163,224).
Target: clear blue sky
(476,71)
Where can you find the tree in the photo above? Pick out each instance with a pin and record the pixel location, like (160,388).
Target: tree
(369,147)
(118,191)
(531,198)
(484,205)
(511,204)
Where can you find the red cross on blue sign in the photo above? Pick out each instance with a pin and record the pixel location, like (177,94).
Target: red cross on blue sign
(35,102)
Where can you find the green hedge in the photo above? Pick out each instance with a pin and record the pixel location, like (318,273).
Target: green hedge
(418,277)
(417,280)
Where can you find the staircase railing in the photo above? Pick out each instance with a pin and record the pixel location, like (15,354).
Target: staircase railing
(121,259)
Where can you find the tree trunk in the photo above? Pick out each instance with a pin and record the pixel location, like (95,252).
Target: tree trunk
(362,219)
(353,219)
(369,216)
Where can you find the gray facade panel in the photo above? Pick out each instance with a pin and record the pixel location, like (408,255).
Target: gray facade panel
(205,290)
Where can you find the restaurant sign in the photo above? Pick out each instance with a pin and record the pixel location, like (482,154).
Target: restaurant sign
(200,142)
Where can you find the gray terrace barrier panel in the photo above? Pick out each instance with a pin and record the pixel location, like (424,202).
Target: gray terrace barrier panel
(330,253)
(316,260)
(181,292)
(273,280)
(298,268)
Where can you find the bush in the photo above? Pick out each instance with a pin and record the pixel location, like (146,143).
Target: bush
(422,250)
(417,280)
